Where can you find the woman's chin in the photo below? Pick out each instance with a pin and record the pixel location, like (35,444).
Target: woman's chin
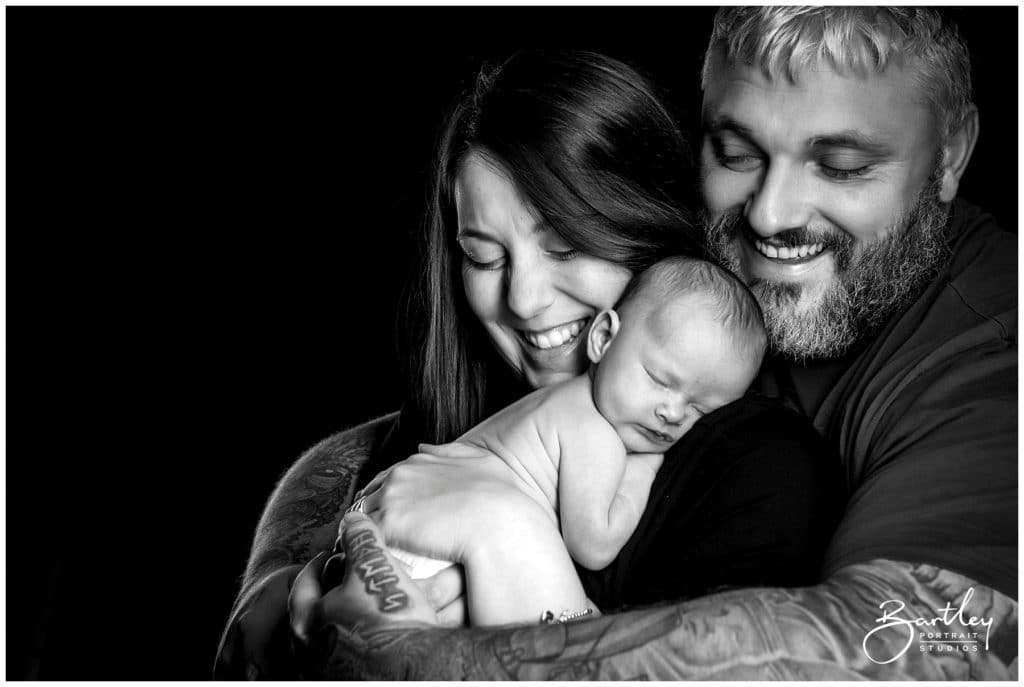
(545,366)
(542,378)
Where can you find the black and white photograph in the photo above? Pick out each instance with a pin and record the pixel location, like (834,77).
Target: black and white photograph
(446,342)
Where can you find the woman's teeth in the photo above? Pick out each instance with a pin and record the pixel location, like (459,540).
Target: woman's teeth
(788,252)
(556,336)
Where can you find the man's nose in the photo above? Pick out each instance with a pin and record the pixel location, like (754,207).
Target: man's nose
(780,202)
(530,290)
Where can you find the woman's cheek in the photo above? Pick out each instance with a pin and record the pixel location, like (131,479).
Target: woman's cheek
(482,293)
(602,282)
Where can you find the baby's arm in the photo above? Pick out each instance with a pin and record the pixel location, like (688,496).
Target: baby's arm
(515,561)
(602,493)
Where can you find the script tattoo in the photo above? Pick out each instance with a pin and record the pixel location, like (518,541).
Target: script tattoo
(812,633)
(369,562)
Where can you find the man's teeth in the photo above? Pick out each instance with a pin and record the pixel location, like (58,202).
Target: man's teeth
(788,252)
(556,336)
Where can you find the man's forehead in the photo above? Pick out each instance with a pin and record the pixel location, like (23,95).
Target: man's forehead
(819,101)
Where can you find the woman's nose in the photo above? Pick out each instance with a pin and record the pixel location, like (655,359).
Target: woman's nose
(530,291)
(780,202)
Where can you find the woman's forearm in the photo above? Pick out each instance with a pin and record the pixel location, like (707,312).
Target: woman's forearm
(809,633)
(301,516)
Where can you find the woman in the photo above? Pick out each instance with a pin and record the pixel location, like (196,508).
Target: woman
(558,177)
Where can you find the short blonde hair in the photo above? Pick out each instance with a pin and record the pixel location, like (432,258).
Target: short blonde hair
(783,41)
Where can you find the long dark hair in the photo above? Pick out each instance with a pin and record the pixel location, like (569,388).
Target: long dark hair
(586,140)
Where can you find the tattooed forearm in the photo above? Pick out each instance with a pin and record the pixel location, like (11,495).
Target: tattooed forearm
(372,567)
(302,515)
(798,634)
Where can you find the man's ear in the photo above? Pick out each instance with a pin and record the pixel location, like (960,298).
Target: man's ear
(602,330)
(956,153)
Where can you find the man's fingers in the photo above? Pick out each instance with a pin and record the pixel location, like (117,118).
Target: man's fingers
(455,614)
(444,587)
(373,485)
(375,579)
(304,594)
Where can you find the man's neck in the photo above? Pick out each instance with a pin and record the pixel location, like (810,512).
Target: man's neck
(802,386)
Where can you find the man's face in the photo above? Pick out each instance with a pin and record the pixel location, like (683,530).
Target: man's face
(823,195)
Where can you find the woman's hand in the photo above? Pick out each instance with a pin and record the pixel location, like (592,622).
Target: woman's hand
(450,502)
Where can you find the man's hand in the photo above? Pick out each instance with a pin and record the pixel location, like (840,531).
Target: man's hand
(375,594)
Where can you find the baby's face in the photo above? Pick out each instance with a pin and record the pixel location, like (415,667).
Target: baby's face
(665,369)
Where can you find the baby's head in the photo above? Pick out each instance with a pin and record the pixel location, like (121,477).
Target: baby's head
(686,338)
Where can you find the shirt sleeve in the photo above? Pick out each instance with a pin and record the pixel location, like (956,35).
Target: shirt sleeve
(935,464)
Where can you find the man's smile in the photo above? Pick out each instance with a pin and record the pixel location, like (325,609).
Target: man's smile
(788,253)
(763,259)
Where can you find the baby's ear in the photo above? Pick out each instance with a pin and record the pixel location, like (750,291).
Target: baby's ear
(602,330)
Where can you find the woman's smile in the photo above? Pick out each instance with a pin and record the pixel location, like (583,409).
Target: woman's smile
(559,336)
(534,295)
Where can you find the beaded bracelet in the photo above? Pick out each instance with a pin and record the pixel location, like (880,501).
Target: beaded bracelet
(548,618)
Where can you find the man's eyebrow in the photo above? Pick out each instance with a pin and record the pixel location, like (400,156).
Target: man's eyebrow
(851,139)
(720,123)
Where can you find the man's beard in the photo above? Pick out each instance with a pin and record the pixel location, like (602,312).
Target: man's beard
(867,289)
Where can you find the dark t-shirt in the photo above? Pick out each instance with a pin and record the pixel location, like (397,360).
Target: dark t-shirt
(748,497)
(924,418)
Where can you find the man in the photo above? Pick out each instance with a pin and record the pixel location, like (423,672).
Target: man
(835,140)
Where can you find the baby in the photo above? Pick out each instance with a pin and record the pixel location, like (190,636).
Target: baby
(685,339)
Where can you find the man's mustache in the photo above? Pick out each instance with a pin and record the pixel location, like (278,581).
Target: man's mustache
(733,224)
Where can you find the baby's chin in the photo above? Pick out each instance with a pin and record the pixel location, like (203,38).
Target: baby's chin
(636,445)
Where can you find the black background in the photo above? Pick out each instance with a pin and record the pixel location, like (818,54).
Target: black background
(209,218)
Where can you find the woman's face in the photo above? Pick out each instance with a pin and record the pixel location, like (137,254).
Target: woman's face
(534,295)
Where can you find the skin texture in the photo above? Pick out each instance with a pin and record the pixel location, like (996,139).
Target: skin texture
(521,277)
(662,368)
(827,155)
(799,634)
(810,633)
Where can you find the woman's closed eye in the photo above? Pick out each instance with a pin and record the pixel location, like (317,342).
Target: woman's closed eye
(564,255)
(482,254)
(557,248)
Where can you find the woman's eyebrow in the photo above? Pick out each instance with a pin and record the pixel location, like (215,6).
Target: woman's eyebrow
(473,233)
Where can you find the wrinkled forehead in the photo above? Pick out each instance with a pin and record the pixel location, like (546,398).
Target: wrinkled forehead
(818,101)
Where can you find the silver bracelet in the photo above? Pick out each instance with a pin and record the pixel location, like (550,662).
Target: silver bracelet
(548,618)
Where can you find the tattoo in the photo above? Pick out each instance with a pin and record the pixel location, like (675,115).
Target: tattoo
(815,633)
(302,515)
(372,566)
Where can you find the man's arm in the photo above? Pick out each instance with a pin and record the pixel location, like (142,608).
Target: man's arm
(301,517)
(299,521)
(829,631)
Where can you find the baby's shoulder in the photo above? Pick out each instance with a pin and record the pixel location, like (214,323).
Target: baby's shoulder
(570,409)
